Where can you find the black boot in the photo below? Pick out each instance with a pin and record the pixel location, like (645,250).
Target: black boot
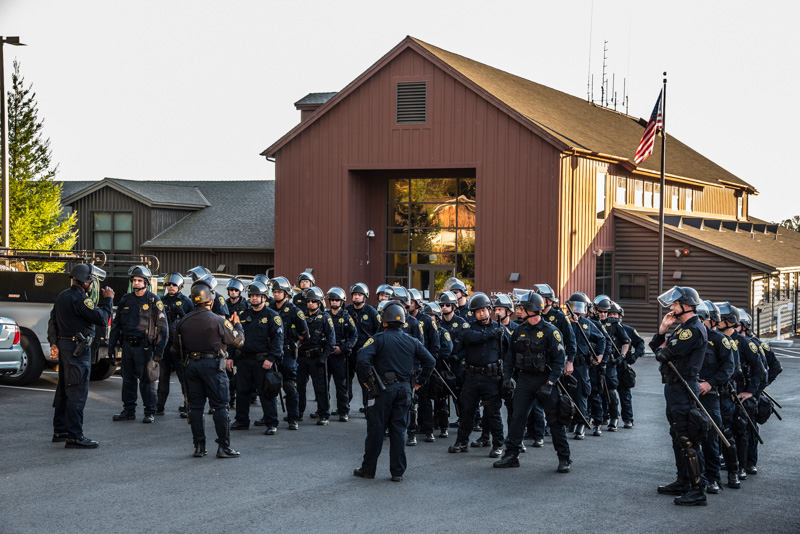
(679,487)
(225,451)
(733,480)
(694,497)
(563,465)
(481,442)
(200,449)
(458,446)
(509,460)
(580,432)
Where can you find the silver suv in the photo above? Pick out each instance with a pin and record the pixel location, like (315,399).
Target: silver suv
(11,353)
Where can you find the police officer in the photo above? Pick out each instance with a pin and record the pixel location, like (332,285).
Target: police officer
(367,324)
(235,302)
(482,372)
(590,342)
(390,355)
(204,276)
(344,328)
(70,332)
(685,349)
(536,350)
(314,353)
(616,349)
(626,374)
(437,388)
(176,305)
(734,423)
(459,289)
(424,402)
(453,323)
(204,338)
(262,349)
(305,280)
(384,292)
(716,371)
(140,326)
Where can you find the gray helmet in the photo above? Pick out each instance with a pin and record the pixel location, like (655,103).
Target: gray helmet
(685,295)
(447,297)
(432,308)
(209,281)
(87,273)
(544,290)
(306,276)
(703,312)
(313,293)
(197,272)
(382,304)
(615,308)
(385,288)
(713,311)
(281,283)
(400,294)
(258,288)
(235,283)
(393,314)
(479,300)
(360,288)
(503,301)
(140,271)
(416,296)
(261,278)
(532,302)
(456,285)
(336,293)
(602,304)
(174,278)
(728,312)
(201,294)
(745,319)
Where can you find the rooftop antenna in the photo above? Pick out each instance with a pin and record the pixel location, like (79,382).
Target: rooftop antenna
(628,73)
(589,79)
(614,89)
(604,83)
(592,100)
(625,95)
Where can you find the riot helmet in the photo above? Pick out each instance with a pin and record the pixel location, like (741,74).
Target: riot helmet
(448,297)
(545,291)
(503,301)
(416,296)
(385,289)
(174,278)
(579,303)
(703,312)
(360,288)
(393,314)
(306,276)
(314,293)
(257,287)
(713,311)
(235,283)
(281,283)
(87,273)
(479,300)
(197,272)
(728,313)
(531,302)
(685,295)
(432,308)
(336,293)
(400,294)
(201,294)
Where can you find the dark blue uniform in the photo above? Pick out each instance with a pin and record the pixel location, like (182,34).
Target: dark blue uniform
(752,380)
(263,340)
(537,353)
(239,308)
(73,313)
(393,355)
(140,327)
(583,359)
(635,351)
(367,324)
(717,370)
(344,328)
(220,307)
(430,332)
(175,307)
(294,327)
(686,349)
(617,338)
(314,353)
(441,406)
(206,337)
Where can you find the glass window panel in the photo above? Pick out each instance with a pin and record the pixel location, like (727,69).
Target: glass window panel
(689,198)
(648,195)
(466,189)
(432,240)
(102,221)
(601,195)
(102,240)
(123,241)
(398,239)
(638,193)
(656,195)
(622,191)
(398,190)
(640,279)
(433,189)
(123,222)
(465,267)
(422,214)
(397,265)
(466,214)
(397,215)
(466,240)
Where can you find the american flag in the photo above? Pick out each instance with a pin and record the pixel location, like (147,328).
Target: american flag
(649,138)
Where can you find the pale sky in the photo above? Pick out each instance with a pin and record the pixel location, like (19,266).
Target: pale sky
(195,89)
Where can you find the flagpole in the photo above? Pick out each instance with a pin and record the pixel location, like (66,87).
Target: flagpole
(663,189)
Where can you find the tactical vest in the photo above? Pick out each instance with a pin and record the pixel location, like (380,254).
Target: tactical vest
(531,356)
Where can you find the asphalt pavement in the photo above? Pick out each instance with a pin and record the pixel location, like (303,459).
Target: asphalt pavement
(143,478)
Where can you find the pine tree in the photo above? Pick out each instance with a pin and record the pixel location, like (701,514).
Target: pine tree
(36,217)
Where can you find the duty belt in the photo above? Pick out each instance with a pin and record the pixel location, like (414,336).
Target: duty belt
(135,341)
(389,382)
(313,353)
(200,355)
(260,356)
(68,338)
(492,369)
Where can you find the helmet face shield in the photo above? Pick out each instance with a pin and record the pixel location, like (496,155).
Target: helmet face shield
(669,296)
(97,273)
(579,307)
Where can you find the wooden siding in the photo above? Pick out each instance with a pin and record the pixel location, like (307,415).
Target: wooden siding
(324,168)
(111,200)
(175,260)
(714,277)
(162,218)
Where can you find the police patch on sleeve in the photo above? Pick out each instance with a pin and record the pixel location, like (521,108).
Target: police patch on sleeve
(447,335)
(369,342)
(278,320)
(557,335)
(765,346)
(684,335)
(89,303)
(753,347)
(228,325)
(301,315)
(726,343)
(221,301)
(421,329)
(330,322)
(160,306)
(352,322)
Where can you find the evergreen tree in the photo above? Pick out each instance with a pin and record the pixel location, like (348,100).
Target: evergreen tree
(792,223)
(36,217)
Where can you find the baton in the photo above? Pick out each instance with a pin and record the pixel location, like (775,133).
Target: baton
(700,406)
(565,392)
(445,384)
(770,397)
(747,416)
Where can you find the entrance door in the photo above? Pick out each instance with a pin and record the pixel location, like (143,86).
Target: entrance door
(429,278)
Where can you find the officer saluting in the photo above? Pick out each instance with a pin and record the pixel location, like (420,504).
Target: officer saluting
(386,362)
(70,332)
(203,338)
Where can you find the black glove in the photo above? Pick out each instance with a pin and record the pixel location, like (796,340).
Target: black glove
(507,389)
(544,393)
(661,356)
(629,359)
(499,332)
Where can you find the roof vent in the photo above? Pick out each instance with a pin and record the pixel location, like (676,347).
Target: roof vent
(412,100)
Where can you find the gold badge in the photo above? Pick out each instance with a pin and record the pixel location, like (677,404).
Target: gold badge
(586,327)
(455,325)
(540,334)
(551,318)
(145,307)
(89,303)
(684,335)
(286,310)
(341,320)
(365,317)
(264,320)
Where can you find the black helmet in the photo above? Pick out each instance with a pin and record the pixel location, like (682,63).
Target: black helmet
(479,300)
(503,301)
(207,280)
(201,294)
(174,278)
(306,276)
(360,288)
(313,293)
(393,314)
(87,273)
(336,293)
(545,291)
(713,311)
(685,295)
(447,297)
(532,302)
(615,308)
(703,312)
(281,283)
(400,293)
(235,283)
(602,304)
(579,302)
(141,271)
(416,296)
(728,312)
(580,296)
(197,272)
(258,288)
(381,305)
(432,308)
(745,319)
(385,288)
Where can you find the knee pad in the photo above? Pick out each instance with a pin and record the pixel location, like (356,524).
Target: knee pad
(220,415)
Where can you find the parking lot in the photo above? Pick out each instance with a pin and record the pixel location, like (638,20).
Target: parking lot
(143,478)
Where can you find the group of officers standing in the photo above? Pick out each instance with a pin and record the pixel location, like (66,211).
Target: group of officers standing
(559,371)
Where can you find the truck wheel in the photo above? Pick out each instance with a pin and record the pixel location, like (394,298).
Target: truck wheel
(32,364)
(103,369)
